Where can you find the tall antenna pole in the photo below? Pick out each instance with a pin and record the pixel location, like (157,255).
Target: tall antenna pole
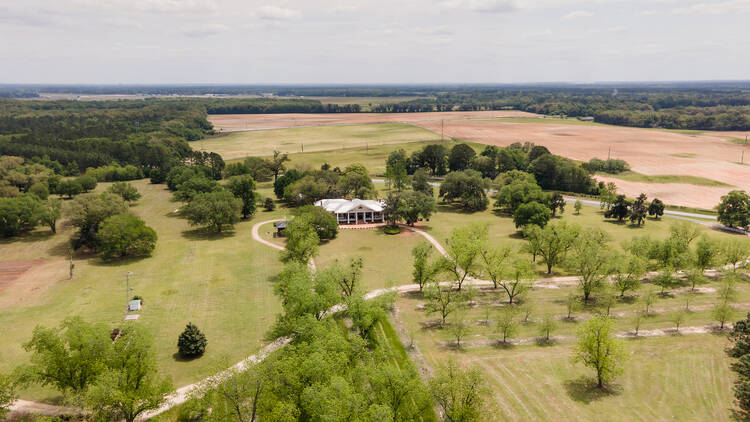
(127,288)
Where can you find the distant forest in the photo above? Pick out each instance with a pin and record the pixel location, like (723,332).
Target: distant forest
(694,106)
(151,135)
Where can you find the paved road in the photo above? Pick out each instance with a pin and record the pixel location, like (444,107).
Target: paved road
(383,181)
(595,203)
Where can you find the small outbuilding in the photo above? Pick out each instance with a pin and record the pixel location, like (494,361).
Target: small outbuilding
(134,305)
(280,226)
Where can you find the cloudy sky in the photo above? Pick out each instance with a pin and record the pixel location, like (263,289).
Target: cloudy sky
(372,41)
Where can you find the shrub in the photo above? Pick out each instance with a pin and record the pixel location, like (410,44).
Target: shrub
(392,229)
(269,205)
(87,182)
(192,342)
(611,166)
(127,191)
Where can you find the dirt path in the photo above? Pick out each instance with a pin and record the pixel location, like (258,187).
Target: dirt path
(21,407)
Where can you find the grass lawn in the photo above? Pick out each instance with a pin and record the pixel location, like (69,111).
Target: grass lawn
(665,379)
(502,231)
(222,283)
(632,176)
(387,258)
(319,138)
(672,377)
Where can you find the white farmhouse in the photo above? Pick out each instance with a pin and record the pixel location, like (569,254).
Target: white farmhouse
(354,211)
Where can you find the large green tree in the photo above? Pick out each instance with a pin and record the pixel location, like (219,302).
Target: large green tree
(639,210)
(216,210)
(591,259)
(461,394)
(599,349)
(395,170)
(460,157)
(130,384)
(734,209)
(70,357)
(463,252)
(243,188)
(532,213)
(125,235)
(87,212)
(424,270)
(466,189)
(553,242)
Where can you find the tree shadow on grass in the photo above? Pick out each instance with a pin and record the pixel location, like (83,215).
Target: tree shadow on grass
(28,237)
(505,345)
(585,390)
(623,223)
(117,262)
(179,358)
(206,234)
(543,342)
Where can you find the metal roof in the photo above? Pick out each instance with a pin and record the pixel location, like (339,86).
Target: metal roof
(342,206)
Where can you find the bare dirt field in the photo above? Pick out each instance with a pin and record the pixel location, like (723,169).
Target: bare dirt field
(240,122)
(651,152)
(11,270)
(709,155)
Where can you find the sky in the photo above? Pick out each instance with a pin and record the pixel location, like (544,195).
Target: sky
(372,41)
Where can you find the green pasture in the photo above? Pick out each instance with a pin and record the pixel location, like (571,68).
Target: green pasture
(239,145)
(367,103)
(221,283)
(632,176)
(677,376)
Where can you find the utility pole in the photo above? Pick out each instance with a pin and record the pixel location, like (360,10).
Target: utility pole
(72,265)
(609,153)
(127,288)
(442,130)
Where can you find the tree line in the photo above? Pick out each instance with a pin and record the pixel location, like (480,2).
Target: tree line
(146,134)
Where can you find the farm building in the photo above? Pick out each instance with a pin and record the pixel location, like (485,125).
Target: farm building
(353,211)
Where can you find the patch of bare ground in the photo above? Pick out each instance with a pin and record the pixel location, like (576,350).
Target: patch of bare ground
(23,283)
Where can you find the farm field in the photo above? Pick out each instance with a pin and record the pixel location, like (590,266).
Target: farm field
(365,102)
(310,139)
(651,152)
(221,283)
(242,122)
